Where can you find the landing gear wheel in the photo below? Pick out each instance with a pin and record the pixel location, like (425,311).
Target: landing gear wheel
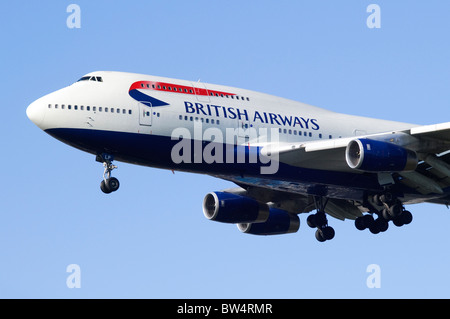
(395,210)
(319,235)
(113,184)
(404,219)
(318,220)
(110,185)
(104,187)
(382,224)
(374,229)
(407,217)
(364,222)
(328,232)
(359,223)
(325,233)
(311,221)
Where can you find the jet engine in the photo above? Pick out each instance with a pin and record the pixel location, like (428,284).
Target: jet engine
(377,156)
(279,222)
(231,208)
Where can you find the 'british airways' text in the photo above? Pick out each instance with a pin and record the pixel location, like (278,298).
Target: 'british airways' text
(258,117)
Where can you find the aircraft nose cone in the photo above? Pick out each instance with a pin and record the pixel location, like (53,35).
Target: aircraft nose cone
(35,113)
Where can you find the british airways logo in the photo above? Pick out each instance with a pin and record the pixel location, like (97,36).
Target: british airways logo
(142,97)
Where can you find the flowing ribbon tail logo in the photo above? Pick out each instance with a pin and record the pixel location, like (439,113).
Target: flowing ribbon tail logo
(141,97)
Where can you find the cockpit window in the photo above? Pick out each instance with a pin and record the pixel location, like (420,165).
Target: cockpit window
(91,78)
(84,78)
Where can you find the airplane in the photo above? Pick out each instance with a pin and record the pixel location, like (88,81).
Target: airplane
(285,157)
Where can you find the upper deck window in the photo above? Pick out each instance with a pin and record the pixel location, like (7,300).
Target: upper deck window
(91,78)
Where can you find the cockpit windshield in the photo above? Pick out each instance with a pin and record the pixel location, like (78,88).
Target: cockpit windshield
(91,78)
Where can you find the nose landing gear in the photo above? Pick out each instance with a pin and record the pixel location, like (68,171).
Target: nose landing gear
(109,184)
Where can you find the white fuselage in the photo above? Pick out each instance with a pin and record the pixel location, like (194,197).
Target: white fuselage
(107,105)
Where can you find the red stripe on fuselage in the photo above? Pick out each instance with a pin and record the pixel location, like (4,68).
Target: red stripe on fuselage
(175,88)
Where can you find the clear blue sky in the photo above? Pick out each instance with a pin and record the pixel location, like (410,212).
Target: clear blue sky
(150,239)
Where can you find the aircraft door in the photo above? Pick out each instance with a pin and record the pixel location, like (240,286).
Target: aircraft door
(145,113)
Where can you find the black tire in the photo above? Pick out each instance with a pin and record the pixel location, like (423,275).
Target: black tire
(328,233)
(104,187)
(374,229)
(382,224)
(311,221)
(395,210)
(359,223)
(398,221)
(406,217)
(368,220)
(113,184)
(319,236)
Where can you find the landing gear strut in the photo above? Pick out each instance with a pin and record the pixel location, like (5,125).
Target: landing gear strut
(319,221)
(109,184)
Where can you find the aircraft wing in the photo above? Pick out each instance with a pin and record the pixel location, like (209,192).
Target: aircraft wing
(440,132)
(324,155)
(430,143)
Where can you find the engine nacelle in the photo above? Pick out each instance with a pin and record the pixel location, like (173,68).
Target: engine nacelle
(377,156)
(231,208)
(279,222)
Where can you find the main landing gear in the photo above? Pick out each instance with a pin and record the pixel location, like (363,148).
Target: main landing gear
(319,221)
(109,184)
(386,207)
